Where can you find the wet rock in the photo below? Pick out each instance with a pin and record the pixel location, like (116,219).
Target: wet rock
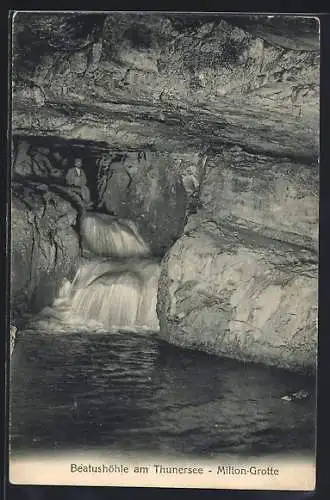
(274,196)
(242,281)
(45,248)
(149,190)
(234,293)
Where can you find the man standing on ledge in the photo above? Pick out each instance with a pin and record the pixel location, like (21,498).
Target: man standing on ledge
(76,178)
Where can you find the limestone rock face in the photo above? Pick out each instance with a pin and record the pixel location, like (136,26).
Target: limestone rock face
(233,293)
(283,31)
(275,197)
(151,192)
(242,280)
(45,248)
(210,125)
(169,83)
(37,163)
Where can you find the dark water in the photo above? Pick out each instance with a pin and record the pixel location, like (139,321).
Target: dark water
(127,391)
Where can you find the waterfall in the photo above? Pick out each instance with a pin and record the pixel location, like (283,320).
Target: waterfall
(117,286)
(105,235)
(118,294)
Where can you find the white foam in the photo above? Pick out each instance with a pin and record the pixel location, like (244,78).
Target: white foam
(107,236)
(107,294)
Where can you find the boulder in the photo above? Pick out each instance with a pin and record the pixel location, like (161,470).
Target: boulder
(241,295)
(150,191)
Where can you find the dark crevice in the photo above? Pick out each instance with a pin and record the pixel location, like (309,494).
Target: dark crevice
(293,158)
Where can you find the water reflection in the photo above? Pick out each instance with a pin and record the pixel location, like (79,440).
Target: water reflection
(128,391)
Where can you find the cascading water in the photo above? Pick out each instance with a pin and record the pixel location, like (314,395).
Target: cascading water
(98,381)
(117,287)
(104,235)
(119,295)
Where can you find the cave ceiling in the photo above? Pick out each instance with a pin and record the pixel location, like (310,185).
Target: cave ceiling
(169,82)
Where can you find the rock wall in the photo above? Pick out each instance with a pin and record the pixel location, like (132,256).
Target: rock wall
(44,248)
(155,190)
(50,200)
(149,189)
(204,131)
(167,83)
(238,294)
(276,197)
(243,279)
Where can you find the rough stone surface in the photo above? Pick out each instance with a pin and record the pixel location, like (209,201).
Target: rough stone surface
(242,280)
(283,31)
(168,85)
(226,111)
(155,190)
(240,295)
(151,192)
(45,248)
(272,196)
